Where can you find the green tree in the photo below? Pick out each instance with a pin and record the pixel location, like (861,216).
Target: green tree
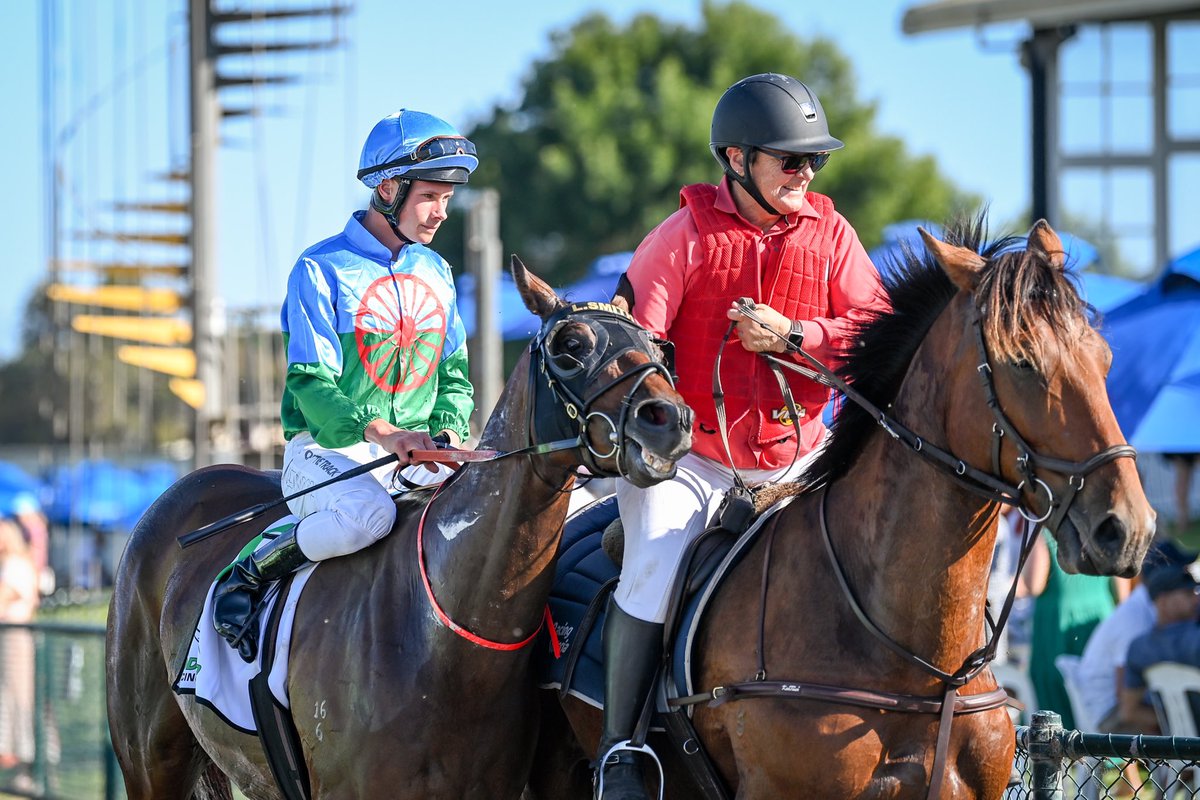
(616,120)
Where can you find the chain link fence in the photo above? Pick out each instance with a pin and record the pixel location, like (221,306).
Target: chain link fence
(1057,764)
(52,713)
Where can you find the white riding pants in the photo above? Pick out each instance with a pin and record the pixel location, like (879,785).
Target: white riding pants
(350,514)
(661,521)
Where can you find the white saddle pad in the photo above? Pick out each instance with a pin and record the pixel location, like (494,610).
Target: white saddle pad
(215,673)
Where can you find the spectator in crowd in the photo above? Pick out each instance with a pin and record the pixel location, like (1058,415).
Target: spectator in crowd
(18,602)
(1175,637)
(1066,609)
(1102,666)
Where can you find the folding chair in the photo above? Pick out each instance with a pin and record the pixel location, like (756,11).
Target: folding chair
(1171,684)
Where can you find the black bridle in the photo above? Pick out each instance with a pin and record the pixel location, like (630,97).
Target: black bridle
(562,379)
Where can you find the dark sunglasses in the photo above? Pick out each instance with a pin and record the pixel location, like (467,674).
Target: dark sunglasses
(433,148)
(791,163)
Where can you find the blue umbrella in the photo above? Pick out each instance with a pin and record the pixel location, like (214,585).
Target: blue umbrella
(1154,384)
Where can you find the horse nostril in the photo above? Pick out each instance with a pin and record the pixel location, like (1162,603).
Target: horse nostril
(1110,536)
(657,413)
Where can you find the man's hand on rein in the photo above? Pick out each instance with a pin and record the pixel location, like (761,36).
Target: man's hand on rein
(752,335)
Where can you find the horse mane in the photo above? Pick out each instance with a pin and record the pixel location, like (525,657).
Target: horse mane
(1019,290)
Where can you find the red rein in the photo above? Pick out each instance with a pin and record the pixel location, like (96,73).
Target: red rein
(444,618)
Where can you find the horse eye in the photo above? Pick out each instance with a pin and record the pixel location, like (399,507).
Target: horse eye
(1024,365)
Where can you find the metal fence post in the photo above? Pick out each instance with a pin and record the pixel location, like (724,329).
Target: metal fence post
(1046,753)
(43,660)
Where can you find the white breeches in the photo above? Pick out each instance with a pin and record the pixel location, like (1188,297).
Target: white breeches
(660,522)
(350,514)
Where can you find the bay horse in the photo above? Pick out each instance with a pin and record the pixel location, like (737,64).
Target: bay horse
(985,383)
(403,682)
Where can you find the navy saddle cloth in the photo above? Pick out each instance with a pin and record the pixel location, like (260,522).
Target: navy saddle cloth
(583,569)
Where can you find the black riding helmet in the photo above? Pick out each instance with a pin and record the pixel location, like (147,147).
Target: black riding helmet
(769,111)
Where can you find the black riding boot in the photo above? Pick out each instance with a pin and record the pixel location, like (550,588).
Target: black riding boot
(632,648)
(238,594)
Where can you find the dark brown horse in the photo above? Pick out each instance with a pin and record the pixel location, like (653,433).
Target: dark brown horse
(990,370)
(389,701)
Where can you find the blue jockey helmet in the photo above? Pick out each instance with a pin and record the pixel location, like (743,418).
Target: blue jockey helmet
(412,145)
(417,145)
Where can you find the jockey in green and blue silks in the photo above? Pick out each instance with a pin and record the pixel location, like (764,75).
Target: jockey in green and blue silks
(377,359)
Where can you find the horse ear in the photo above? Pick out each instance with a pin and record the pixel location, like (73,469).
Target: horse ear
(1043,237)
(623,297)
(961,264)
(537,294)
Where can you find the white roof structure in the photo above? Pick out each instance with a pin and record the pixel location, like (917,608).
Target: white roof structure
(945,14)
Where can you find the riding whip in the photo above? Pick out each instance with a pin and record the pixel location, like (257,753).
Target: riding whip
(447,456)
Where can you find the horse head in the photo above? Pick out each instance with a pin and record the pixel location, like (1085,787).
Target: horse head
(1042,367)
(608,373)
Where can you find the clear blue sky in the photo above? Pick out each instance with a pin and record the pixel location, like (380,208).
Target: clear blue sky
(288,180)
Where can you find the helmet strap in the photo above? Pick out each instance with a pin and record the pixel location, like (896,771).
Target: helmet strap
(748,183)
(391,211)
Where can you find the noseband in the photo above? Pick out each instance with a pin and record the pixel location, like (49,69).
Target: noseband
(562,380)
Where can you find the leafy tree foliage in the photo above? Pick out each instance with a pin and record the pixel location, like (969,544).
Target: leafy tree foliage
(616,120)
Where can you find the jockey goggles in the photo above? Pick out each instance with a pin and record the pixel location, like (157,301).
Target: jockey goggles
(791,163)
(432,148)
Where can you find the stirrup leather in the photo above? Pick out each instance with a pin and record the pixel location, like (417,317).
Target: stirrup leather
(613,753)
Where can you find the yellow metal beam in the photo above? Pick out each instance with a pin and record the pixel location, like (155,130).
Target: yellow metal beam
(117,269)
(188,390)
(165,331)
(124,298)
(177,361)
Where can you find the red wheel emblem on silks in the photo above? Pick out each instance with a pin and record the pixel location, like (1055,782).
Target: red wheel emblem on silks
(400,327)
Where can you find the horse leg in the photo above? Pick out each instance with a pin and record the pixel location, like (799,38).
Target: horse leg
(155,748)
(562,770)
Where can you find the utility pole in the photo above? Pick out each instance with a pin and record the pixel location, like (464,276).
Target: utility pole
(205,122)
(483,255)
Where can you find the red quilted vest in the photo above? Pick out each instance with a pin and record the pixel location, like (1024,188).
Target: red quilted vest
(792,277)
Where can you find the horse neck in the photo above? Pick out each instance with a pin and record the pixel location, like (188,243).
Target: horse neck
(492,534)
(915,544)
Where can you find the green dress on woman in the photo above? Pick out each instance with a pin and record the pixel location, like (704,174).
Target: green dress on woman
(1064,615)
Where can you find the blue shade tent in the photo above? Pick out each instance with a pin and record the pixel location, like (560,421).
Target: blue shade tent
(19,491)
(1154,384)
(516,322)
(106,495)
(1102,291)
(1106,292)
(1080,254)
(898,236)
(511,311)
